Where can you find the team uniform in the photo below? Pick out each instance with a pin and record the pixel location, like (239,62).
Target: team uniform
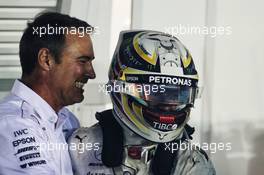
(33,136)
(153,85)
(139,156)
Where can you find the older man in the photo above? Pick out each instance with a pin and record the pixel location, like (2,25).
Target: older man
(56,55)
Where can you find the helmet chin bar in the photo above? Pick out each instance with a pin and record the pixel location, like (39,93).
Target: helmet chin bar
(128,119)
(165,121)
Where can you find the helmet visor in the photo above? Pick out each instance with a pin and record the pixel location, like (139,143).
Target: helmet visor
(156,93)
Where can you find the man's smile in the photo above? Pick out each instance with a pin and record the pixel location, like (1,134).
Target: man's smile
(79,84)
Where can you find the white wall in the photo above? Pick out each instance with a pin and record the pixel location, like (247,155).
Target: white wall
(238,94)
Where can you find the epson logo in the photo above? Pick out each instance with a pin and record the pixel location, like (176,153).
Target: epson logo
(23,141)
(170,80)
(132,78)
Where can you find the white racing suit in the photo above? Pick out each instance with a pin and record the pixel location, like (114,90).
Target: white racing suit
(104,150)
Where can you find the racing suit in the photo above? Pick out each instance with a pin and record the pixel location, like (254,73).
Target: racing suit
(108,149)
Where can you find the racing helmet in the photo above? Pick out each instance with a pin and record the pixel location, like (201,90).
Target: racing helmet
(153,83)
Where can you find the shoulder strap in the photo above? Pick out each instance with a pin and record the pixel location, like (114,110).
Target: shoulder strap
(112,151)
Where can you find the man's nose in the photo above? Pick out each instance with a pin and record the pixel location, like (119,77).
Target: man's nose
(90,71)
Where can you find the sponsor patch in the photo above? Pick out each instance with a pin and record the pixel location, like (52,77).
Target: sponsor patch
(23,141)
(160,79)
(25,149)
(35,163)
(29,156)
(21,132)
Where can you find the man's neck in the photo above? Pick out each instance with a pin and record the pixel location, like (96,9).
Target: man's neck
(43,91)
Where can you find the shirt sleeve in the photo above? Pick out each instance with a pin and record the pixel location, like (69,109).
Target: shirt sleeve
(20,149)
(71,124)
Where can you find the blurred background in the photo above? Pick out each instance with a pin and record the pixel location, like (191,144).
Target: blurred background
(224,37)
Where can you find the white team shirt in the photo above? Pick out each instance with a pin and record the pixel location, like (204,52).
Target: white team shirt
(32,135)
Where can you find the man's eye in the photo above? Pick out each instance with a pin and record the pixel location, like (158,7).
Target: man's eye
(83,61)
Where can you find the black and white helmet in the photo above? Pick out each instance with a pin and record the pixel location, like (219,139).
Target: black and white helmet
(154,84)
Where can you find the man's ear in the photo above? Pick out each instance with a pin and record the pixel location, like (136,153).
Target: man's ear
(45,59)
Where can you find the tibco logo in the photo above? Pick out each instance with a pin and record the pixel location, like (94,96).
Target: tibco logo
(163,126)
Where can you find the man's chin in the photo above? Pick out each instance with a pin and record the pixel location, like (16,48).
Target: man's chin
(79,99)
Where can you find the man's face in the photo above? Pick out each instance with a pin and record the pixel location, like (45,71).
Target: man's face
(74,70)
